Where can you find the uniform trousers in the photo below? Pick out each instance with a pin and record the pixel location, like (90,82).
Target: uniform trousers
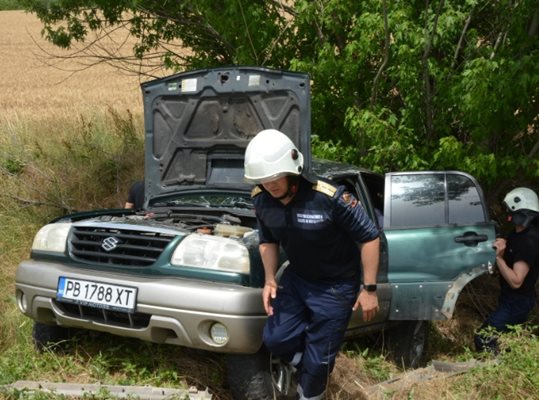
(310,320)
(512,309)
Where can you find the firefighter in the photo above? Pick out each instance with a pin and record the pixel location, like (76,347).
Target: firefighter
(333,251)
(517,259)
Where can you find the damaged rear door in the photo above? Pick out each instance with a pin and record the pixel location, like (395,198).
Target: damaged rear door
(439,239)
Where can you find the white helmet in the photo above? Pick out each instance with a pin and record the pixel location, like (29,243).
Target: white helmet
(521,198)
(270,155)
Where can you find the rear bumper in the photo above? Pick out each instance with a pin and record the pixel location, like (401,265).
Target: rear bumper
(169,310)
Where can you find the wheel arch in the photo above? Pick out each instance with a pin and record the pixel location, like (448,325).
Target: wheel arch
(452,295)
(430,301)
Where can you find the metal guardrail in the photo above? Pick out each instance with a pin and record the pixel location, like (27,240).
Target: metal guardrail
(114,391)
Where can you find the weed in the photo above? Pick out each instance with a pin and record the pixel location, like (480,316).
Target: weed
(86,164)
(512,374)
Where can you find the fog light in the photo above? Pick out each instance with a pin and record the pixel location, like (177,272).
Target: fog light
(219,334)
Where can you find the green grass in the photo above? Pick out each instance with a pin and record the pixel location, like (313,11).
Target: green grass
(101,358)
(513,374)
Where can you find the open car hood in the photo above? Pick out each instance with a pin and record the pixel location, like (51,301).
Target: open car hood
(198,124)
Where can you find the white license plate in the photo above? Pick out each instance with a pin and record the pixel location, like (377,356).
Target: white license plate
(97,294)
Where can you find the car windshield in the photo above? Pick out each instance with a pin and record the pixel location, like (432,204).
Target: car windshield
(210,200)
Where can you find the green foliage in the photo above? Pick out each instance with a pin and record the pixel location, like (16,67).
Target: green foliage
(13,166)
(385,142)
(11,5)
(398,85)
(332,150)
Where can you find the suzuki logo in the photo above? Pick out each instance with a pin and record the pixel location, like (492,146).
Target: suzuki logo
(110,243)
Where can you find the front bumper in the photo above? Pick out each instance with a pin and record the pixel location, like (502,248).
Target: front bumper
(169,310)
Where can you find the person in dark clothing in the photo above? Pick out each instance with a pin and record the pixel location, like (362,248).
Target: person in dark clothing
(135,199)
(517,259)
(327,237)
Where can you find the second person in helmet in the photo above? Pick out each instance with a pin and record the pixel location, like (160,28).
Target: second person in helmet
(517,259)
(328,238)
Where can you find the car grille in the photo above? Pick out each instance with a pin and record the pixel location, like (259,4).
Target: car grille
(116,318)
(112,246)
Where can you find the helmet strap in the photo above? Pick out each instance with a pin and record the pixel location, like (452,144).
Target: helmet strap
(293,184)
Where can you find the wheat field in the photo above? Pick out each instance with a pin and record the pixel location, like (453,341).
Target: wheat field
(38,81)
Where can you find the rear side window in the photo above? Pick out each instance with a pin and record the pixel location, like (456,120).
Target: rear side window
(433,199)
(465,205)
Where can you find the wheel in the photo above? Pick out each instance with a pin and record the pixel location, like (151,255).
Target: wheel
(407,343)
(259,376)
(49,336)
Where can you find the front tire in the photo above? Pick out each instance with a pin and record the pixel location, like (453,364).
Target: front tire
(49,336)
(259,376)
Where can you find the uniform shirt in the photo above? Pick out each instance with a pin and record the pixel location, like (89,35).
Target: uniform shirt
(523,246)
(136,195)
(319,230)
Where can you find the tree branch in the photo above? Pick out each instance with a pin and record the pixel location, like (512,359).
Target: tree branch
(461,39)
(386,56)
(253,49)
(534,24)
(534,150)
(426,72)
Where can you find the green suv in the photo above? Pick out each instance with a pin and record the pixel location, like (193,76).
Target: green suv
(186,270)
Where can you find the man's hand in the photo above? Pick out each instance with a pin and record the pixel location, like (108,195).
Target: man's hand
(268,294)
(368,301)
(499,246)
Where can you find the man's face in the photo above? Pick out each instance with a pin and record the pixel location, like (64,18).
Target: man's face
(278,187)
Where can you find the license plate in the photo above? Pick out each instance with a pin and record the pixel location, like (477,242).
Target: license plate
(97,294)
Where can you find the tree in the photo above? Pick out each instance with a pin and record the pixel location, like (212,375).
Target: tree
(431,84)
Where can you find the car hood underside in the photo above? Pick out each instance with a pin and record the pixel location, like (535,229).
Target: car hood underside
(198,124)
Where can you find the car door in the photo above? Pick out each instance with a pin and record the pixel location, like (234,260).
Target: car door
(439,239)
(367,187)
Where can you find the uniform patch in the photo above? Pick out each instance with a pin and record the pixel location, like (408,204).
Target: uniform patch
(324,187)
(256,191)
(310,219)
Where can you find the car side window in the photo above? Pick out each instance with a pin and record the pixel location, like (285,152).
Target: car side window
(417,200)
(433,199)
(465,205)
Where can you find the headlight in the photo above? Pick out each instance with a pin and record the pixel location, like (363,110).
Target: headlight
(213,252)
(52,237)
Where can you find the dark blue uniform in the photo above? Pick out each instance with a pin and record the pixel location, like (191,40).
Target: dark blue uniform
(319,230)
(136,195)
(514,305)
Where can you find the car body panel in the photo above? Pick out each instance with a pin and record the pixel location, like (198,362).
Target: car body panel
(169,310)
